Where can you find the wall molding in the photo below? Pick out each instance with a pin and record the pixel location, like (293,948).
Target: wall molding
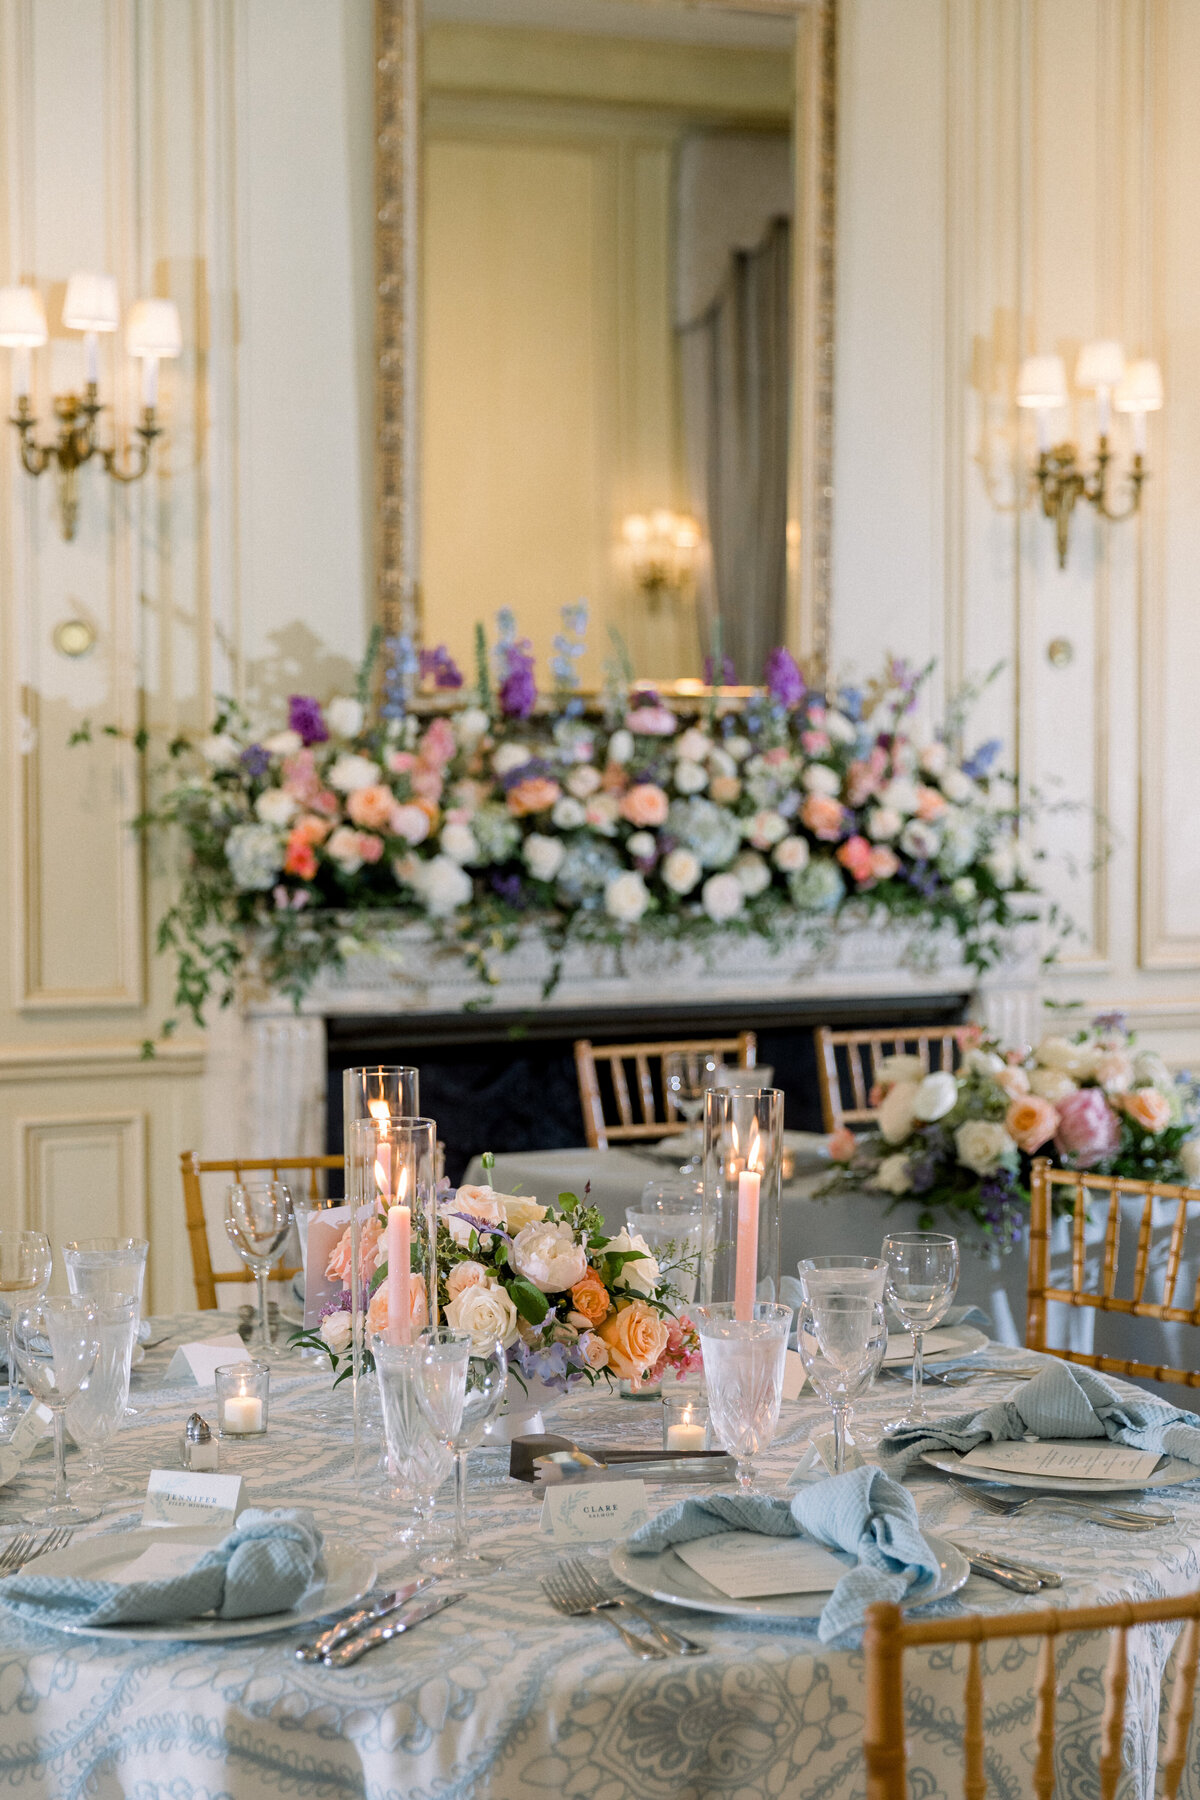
(122,1136)
(37,1063)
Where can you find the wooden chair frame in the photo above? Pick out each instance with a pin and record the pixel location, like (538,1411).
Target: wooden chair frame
(1045,1181)
(889,1634)
(630,1129)
(871,1046)
(191,1169)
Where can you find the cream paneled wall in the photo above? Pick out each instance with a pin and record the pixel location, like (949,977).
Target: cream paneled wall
(217,151)
(1018,175)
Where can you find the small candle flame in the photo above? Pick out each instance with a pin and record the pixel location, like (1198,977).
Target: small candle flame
(754,1154)
(378,1110)
(402,1187)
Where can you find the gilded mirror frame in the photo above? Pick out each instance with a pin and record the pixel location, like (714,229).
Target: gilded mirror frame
(397,282)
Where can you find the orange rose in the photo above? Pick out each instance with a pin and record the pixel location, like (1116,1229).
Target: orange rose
(589,1297)
(1147,1108)
(309,829)
(636,1337)
(822,815)
(1031,1122)
(645,804)
(301,858)
(535,795)
(371,807)
(725,789)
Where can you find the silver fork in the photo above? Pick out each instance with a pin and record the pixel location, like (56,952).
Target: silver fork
(564,1600)
(24,1549)
(15,1552)
(584,1584)
(1114,1517)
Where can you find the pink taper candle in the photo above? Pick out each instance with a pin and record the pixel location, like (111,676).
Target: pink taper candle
(746,1277)
(399,1276)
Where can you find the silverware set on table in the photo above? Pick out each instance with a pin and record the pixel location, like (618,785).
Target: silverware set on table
(573,1590)
(25,1548)
(382,1619)
(1023,1576)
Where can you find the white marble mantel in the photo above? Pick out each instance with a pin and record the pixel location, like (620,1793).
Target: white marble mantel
(266,1066)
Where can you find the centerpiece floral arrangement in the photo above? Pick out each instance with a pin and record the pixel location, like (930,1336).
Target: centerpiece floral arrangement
(568,1301)
(964,1141)
(481,811)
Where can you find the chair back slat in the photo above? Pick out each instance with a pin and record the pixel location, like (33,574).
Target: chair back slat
(974,1779)
(204,1276)
(845,1059)
(615,1062)
(1116,1681)
(1111,1233)
(1183,1703)
(1078,1239)
(1043,1726)
(1141,1265)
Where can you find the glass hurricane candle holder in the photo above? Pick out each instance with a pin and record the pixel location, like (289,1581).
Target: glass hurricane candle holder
(685,1421)
(743,1145)
(243,1393)
(379,1092)
(393,1189)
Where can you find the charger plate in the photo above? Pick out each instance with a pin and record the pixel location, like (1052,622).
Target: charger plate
(665,1576)
(349,1574)
(1173,1473)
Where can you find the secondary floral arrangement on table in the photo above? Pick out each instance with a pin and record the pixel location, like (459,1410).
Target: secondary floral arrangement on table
(568,1301)
(964,1141)
(502,811)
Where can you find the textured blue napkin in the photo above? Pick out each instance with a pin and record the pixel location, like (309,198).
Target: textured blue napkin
(262,1566)
(864,1512)
(1063,1401)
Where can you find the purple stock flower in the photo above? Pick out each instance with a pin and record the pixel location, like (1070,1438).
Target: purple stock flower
(305,716)
(518,690)
(438,665)
(784,680)
(255,760)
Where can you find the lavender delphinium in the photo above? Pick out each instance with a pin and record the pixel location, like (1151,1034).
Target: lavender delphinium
(306,718)
(256,761)
(437,665)
(784,681)
(979,763)
(518,690)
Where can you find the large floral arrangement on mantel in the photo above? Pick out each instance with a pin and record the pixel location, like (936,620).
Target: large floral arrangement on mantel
(483,810)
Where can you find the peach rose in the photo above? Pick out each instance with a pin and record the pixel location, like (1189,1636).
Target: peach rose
(843,1143)
(311,829)
(884,863)
(1014,1082)
(1031,1122)
(636,1337)
(377,1312)
(371,1252)
(535,795)
(1114,1071)
(725,789)
(644,804)
(1147,1108)
(589,1297)
(371,807)
(822,816)
(855,855)
(370,847)
(930,804)
(464,1275)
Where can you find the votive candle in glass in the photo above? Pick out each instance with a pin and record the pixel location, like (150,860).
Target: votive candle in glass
(685,1421)
(243,1391)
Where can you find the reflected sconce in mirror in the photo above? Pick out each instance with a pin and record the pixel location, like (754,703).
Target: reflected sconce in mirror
(1135,388)
(91,306)
(662,549)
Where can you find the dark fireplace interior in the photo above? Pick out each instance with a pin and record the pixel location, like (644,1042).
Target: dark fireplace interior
(506,1081)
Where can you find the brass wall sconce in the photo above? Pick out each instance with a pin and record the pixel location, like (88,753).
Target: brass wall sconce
(662,550)
(152,331)
(1134,388)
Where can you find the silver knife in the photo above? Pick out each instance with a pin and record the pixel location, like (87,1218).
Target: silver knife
(1048,1577)
(1008,1578)
(345,1654)
(355,1621)
(712,1469)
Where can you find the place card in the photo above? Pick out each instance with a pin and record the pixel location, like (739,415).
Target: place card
(794,1375)
(1080,1460)
(747,1566)
(593,1512)
(200,1362)
(936,1343)
(177,1497)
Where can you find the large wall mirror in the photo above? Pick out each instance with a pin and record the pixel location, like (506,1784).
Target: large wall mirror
(605,233)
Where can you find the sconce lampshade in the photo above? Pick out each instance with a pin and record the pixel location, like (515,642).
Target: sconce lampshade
(1042,381)
(91,303)
(153,329)
(1141,389)
(1101,364)
(636,528)
(22,319)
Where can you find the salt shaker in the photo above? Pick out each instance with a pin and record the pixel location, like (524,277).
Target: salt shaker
(200,1447)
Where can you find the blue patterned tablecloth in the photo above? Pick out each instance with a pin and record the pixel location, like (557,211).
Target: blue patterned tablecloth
(500,1699)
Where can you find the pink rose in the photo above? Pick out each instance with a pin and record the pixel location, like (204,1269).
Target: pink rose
(370,847)
(815,742)
(842,1145)
(401,762)
(410,823)
(855,855)
(651,721)
(300,778)
(1088,1131)
(438,744)
(427,784)
(861,782)
(822,816)
(645,804)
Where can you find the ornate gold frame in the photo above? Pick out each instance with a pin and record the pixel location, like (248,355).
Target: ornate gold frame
(397,274)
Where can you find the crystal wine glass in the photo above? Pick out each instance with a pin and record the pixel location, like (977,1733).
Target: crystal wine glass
(687,1077)
(25,1264)
(106,1270)
(416,1463)
(486,1385)
(922,1278)
(441,1384)
(743,1367)
(258,1217)
(842,1339)
(95,1412)
(56,1343)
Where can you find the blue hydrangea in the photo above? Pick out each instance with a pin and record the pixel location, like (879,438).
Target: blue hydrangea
(586,870)
(818,888)
(706,829)
(255,857)
(496,832)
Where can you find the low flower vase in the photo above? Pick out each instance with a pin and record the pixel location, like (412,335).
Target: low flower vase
(520,1413)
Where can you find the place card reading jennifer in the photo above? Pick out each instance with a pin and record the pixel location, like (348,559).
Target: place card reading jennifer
(593,1512)
(177,1497)
(200,1362)
(747,1566)
(1081,1461)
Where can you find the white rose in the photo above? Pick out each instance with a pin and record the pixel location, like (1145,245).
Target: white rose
(693,745)
(722,897)
(276,807)
(442,886)
(1061,1053)
(465,1275)
(485,1313)
(1189,1157)
(935,1097)
(899,1068)
(934,758)
(543,855)
(509,757)
(568,814)
(896,1115)
(884,823)
(892,1175)
(470,725)
(1149,1070)
(819,779)
(738,747)
(626,897)
(1051,1084)
(335,1332)
(1001,863)
(344,716)
(349,773)
(957,787)
(640,1277)
(753,873)
(283,743)
(765,829)
(520,1210)
(681,871)
(841,729)
(584,782)
(546,1254)
(791,855)
(459,843)
(983,1146)
(690,777)
(900,795)
(963,889)
(984,1062)
(601,813)
(641,844)
(220,751)
(620,746)
(920,840)
(720,762)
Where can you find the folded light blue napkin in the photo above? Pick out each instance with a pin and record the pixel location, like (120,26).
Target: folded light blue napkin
(1063,1401)
(262,1566)
(864,1512)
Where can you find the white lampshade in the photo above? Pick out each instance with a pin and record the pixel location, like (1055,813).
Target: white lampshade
(91,302)
(1042,381)
(1141,389)
(22,319)
(1101,364)
(153,329)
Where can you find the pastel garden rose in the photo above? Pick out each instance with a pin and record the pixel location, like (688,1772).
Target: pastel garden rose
(486,1313)
(583,782)
(651,721)
(378,1318)
(1060,1053)
(601,813)
(644,804)
(593,1350)
(1051,1084)
(482,1206)
(511,757)
(681,871)
(520,1210)
(725,789)
(589,1298)
(276,806)
(884,863)
(335,1332)
(690,777)
(1088,1129)
(371,807)
(635,1336)
(791,855)
(543,855)
(896,1115)
(1031,1122)
(409,822)
(766,829)
(641,1276)
(534,795)
(351,849)
(722,897)
(884,824)
(930,804)
(1114,1071)
(465,1275)
(459,842)
(350,773)
(693,745)
(819,778)
(547,1255)
(1147,1108)
(935,1097)
(753,874)
(626,897)
(983,1145)
(568,814)
(842,1145)
(892,1175)
(823,816)
(1013,1081)
(442,886)
(642,846)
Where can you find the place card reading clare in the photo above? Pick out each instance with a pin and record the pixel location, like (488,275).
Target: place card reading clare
(747,1566)
(593,1512)
(178,1497)
(1088,1460)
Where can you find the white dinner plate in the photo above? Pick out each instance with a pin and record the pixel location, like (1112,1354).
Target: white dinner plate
(943,1344)
(1173,1473)
(666,1576)
(349,1574)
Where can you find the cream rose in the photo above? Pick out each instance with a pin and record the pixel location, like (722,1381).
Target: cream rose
(485,1312)
(626,897)
(892,1175)
(791,855)
(640,1277)
(983,1146)
(520,1210)
(546,1254)
(635,1338)
(896,1115)
(681,871)
(335,1332)
(481,1203)
(1051,1084)
(465,1275)
(935,1097)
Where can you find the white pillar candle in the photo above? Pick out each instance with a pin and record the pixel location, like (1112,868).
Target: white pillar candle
(746,1277)
(243,1414)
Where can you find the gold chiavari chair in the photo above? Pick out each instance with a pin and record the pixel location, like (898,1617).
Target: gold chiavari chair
(848,1064)
(279,1168)
(889,1635)
(1091,1192)
(646,1068)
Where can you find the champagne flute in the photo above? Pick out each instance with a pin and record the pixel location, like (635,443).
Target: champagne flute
(95,1412)
(743,1367)
(487,1382)
(922,1278)
(842,1339)
(25,1264)
(56,1343)
(441,1385)
(258,1217)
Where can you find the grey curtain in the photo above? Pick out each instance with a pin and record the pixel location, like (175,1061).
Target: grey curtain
(735,363)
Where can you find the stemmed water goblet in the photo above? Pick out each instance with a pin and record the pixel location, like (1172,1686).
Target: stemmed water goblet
(842,1339)
(94,1413)
(687,1077)
(486,1381)
(258,1217)
(922,1278)
(108,1270)
(416,1463)
(56,1343)
(743,1367)
(25,1264)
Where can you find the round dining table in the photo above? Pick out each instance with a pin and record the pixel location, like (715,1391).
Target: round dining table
(501,1698)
